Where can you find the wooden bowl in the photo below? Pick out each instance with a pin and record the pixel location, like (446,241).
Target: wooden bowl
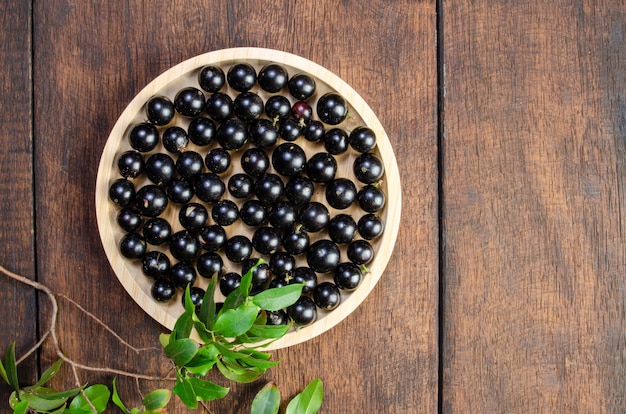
(185,74)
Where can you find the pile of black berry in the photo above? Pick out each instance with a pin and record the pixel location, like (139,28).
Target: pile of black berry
(230,150)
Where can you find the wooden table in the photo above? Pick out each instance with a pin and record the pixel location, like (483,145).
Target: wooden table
(505,292)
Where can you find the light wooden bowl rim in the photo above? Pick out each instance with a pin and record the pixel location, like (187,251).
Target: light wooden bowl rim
(391,184)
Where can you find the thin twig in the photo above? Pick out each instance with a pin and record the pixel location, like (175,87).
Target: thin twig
(51,332)
(105,326)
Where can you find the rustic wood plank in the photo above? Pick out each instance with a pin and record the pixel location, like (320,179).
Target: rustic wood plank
(95,58)
(16,227)
(534,254)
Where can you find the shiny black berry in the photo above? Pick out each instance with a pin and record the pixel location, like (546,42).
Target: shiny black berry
(262,133)
(288,159)
(225,212)
(282,215)
(189,164)
(131,164)
(304,275)
(347,276)
(240,185)
(160,110)
(272,77)
(326,296)
(255,162)
(295,240)
(362,139)
(157,231)
(269,188)
(314,216)
(299,190)
(332,108)
(371,198)
(180,191)
(290,129)
(253,213)
(282,263)
(303,312)
(360,252)
(217,160)
(144,137)
(175,139)
(151,200)
(193,216)
(229,282)
(209,264)
(196,294)
(155,264)
(301,86)
(278,317)
(212,237)
(184,245)
(321,167)
(342,229)
(248,106)
(219,106)
(368,168)
(201,131)
(241,77)
(260,271)
(277,107)
(301,112)
(323,256)
(266,240)
(122,192)
(133,246)
(160,168)
(189,102)
(211,78)
(162,290)
(238,248)
(129,219)
(341,193)
(232,134)
(336,141)
(370,226)
(209,187)
(314,131)
(182,274)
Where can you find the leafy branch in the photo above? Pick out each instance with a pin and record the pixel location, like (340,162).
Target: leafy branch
(231,336)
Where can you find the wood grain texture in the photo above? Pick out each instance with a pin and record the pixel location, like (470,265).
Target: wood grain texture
(533,183)
(16,204)
(92,59)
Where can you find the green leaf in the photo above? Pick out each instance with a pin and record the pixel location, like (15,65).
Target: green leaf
(233,373)
(185,392)
(10,368)
(181,351)
(246,280)
(278,298)
(203,361)
(234,299)
(309,400)
(207,308)
(269,331)
(183,326)
(234,322)
(36,402)
(20,408)
(98,394)
(157,399)
(267,401)
(207,390)
(164,339)
(49,373)
(50,394)
(116,398)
